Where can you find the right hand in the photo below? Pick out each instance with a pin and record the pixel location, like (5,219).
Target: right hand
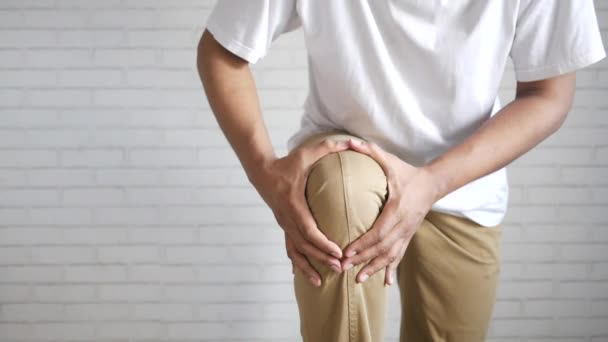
(281,182)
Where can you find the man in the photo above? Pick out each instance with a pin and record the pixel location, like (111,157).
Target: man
(399,162)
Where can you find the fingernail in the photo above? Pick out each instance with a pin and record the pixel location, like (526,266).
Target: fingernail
(348,266)
(350,253)
(363,278)
(314,281)
(337,255)
(335,268)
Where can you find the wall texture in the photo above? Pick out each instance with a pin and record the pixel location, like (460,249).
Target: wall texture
(124,215)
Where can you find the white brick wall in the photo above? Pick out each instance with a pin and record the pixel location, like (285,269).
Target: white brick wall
(124,215)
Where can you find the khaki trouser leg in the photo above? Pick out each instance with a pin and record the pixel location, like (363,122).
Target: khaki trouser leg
(345,192)
(447,279)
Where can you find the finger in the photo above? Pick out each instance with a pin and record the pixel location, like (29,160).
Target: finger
(299,262)
(366,255)
(371,268)
(392,267)
(313,153)
(311,232)
(381,227)
(305,247)
(374,151)
(379,263)
(312,252)
(369,148)
(302,264)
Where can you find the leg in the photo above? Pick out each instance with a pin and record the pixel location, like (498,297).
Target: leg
(448,279)
(345,192)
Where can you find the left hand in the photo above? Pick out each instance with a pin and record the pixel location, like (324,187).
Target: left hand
(411,193)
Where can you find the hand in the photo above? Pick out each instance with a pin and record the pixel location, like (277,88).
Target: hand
(411,193)
(282,183)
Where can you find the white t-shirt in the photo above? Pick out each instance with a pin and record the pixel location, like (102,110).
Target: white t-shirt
(416,77)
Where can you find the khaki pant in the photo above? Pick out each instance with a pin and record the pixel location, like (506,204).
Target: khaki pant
(447,278)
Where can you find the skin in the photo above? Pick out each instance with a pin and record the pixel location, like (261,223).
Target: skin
(538,110)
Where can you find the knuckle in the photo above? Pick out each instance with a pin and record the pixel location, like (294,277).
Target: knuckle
(382,249)
(308,234)
(378,237)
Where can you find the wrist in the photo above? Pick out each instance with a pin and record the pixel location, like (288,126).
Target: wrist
(438,182)
(255,168)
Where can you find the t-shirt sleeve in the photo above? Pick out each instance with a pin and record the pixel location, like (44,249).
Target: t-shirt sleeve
(247,28)
(553,37)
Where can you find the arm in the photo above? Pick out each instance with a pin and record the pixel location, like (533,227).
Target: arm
(538,110)
(232,95)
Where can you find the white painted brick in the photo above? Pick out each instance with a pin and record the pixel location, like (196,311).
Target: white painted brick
(97,273)
(14,293)
(96,311)
(64,293)
(90,38)
(210,273)
(29,235)
(164,312)
(19,38)
(27,78)
(584,252)
(163,78)
(14,255)
(92,157)
(29,273)
(59,177)
(94,235)
(551,308)
(526,289)
(93,196)
(583,289)
(187,330)
(525,327)
(162,235)
(128,254)
(54,18)
(132,176)
(11,58)
(125,215)
(129,292)
(11,97)
(175,38)
(27,158)
(62,255)
(58,98)
(197,293)
(198,254)
(64,330)
(124,57)
(229,311)
(89,78)
(25,196)
(65,216)
(57,58)
(124,18)
(162,273)
(32,312)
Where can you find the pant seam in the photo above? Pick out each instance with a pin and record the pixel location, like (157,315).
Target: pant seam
(352,324)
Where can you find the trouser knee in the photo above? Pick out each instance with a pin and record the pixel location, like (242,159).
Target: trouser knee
(345,192)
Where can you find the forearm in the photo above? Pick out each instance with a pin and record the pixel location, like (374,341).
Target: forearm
(232,95)
(514,130)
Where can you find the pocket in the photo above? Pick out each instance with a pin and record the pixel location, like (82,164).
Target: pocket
(476,242)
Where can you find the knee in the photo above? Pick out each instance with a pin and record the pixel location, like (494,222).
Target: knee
(346,191)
